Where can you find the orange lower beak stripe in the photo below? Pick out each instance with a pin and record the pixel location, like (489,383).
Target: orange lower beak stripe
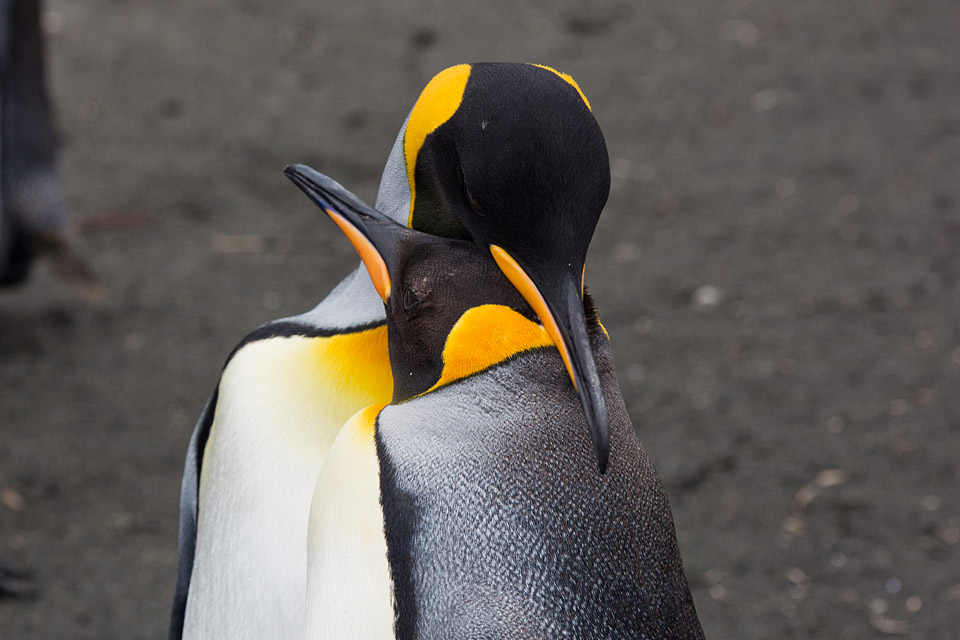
(376,267)
(519,279)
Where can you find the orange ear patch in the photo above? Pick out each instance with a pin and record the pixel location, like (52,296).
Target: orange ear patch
(484,336)
(437,103)
(569,79)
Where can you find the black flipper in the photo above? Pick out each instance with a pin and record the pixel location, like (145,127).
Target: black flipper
(189,492)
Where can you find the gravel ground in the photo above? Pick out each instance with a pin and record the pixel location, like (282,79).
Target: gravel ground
(778,268)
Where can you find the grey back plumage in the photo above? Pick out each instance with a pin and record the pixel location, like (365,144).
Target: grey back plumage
(499,526)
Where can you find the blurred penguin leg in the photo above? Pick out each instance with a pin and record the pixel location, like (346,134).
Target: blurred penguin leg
(34,205)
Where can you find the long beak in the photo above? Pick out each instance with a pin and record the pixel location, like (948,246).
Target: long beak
(560,308)
(372,234)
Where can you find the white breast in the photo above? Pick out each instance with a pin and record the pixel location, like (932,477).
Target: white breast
(349,590)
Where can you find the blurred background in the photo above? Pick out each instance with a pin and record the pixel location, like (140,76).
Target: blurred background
(777,266)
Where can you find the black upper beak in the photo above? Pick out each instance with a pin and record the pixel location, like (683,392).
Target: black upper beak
(374,236)
(327,193)
(573,328)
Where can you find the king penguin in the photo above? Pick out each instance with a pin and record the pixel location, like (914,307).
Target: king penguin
(34,214)
(471,506)
(508,157)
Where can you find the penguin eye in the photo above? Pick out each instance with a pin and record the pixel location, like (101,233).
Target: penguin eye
(410,299)
(472,199)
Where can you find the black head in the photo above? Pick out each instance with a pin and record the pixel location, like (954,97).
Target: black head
(507,154)
(435,281)
(427,283)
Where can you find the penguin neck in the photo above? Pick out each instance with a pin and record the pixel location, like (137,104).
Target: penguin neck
(482,337)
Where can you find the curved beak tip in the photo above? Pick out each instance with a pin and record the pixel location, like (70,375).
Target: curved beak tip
(603,460)
(600,432)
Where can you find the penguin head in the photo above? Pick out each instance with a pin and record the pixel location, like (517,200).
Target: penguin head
(509,155)
(509,158)
(427,283)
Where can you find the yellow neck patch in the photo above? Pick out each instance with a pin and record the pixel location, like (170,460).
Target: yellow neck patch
(437,104)
(485,336)
(363,424)
(359,363)
(287,397)
(569,80)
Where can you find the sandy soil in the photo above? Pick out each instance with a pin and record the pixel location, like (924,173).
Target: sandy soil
(778,267)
